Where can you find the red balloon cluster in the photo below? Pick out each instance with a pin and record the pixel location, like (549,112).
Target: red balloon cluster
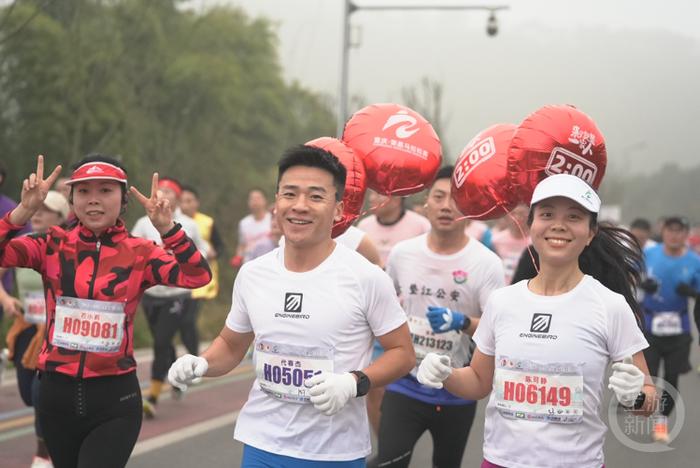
(501,166)
(355,181)
(480,182)
(400,149)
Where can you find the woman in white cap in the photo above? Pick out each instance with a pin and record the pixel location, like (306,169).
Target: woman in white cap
(26,333)
(543,345)
(94,275)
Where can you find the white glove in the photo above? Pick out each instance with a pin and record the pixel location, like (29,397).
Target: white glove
(331,392)
(434,369)
(626,381)
(187,370)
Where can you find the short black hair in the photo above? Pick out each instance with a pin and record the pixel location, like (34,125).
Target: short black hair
(641,223)
(3,173)
(189,188)
(311,156)
(682,221)
(445,172)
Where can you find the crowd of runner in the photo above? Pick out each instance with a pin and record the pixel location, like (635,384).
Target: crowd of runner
(419,310)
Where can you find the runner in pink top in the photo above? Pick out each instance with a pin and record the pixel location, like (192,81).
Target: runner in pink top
(391,223)
(509,243)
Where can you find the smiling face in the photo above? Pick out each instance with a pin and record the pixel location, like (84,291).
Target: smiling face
(560,231)
(305,205)
(97,203)
(441,210)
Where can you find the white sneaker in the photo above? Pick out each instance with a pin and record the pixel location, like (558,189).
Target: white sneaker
(39,462)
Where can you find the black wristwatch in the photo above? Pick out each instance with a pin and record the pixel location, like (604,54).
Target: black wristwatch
(639,402)
(362,383)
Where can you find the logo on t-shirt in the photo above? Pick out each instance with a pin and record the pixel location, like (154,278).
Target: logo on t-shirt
(539,328)
(459,276)
(540,323)
(292,302)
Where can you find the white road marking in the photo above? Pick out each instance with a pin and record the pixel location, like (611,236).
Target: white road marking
(172,437)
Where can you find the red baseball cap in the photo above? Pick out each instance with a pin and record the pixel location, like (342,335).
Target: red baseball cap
(97,171)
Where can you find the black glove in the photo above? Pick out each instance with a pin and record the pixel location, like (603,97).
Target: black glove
(649,285)
(684,289)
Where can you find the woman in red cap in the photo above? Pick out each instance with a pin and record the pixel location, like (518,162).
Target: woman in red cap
(94,275)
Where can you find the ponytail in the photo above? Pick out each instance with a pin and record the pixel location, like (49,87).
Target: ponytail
(615,259)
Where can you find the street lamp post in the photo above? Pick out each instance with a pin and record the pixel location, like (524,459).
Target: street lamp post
(350,8)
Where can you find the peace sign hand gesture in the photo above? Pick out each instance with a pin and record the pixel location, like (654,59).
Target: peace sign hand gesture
(34,190)
(157,207)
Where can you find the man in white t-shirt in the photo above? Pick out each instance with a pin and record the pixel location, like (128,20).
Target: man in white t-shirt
(443,279)
(313,308)
(165,307)
(252,229)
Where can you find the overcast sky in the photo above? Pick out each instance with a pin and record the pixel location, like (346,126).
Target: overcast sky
(634,66)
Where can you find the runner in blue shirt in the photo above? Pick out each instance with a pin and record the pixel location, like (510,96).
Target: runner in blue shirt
(673,276)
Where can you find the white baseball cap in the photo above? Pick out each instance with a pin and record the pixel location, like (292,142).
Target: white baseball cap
(568,186)
(56,202)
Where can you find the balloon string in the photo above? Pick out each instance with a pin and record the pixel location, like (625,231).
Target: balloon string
(532,257)
(529,244)
(374,208)
(395,193)
(479,215)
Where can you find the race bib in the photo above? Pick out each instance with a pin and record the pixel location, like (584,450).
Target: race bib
(88,325)
(34,306)
(282,369)
(666,324)
(425,340)
(539,392)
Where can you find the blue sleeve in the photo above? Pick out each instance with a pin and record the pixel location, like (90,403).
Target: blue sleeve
(486,239)
(696,276)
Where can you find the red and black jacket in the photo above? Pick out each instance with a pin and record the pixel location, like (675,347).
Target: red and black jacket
(113,267)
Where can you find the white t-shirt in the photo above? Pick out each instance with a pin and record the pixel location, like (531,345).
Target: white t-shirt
(144,228)
(351,238)
(461,281)
(338,306)
(251,231)
(554,349)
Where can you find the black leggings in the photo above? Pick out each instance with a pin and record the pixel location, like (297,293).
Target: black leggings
(675,353)
(164,315)
(405,419)
(188,326)
(90,422)
(27,379)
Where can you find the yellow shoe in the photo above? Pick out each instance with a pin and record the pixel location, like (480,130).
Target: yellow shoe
(149,409)
(660,433)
